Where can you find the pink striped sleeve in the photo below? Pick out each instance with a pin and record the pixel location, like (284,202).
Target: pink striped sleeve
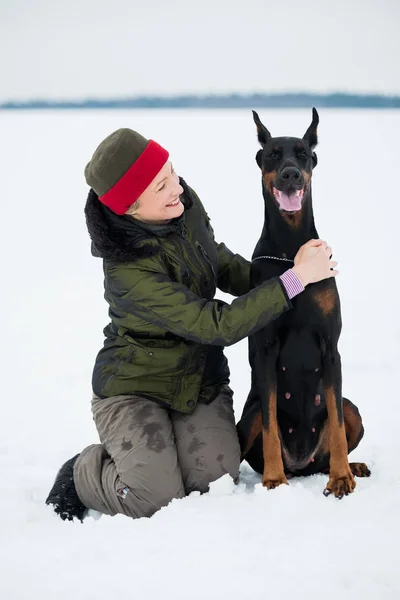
(292,283)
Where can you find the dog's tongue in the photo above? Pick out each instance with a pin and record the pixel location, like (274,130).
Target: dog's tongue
(291,201)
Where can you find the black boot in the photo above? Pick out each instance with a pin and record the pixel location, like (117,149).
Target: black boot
(63,494)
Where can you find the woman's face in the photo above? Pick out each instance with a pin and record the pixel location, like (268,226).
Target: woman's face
(160,200)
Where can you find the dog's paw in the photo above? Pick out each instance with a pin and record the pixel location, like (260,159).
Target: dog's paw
(340,485)
(272,481)
(360,469)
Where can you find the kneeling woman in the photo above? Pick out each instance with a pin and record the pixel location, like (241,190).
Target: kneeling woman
(161,402)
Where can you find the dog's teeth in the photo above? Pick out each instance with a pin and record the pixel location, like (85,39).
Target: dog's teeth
(317,400)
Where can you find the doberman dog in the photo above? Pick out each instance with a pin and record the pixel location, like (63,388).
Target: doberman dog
(295,420)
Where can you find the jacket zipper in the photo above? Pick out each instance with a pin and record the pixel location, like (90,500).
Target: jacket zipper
(183,235)
(208,260)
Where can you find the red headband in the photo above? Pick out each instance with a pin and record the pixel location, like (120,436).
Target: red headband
(137,178)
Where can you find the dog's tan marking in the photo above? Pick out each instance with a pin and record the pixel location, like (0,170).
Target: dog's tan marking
(255,430)
(326,300)
(273,464)
(307,180)
(353,425)
(293,221)
(360,469)
(269,180)
(341,481)
(357,469)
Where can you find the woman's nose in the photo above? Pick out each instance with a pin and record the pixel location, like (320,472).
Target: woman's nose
(179,189)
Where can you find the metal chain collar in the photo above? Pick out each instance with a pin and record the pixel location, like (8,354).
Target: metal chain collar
(273,258)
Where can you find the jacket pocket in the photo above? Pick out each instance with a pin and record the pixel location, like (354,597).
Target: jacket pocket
(156,358)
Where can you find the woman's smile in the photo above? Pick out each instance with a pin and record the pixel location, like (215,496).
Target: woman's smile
(174,203)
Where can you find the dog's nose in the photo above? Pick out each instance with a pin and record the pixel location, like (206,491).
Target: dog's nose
(291,175)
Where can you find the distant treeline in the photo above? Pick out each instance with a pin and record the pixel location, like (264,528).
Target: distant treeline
(337,100)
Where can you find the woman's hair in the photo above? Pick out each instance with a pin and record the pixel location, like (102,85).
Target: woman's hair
(132,210)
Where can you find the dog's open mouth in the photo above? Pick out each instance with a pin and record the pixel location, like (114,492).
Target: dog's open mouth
(289,201)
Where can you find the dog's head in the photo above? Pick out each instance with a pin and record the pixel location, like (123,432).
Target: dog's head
(286,164)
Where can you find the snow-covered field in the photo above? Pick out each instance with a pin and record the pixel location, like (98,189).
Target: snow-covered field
(236,542)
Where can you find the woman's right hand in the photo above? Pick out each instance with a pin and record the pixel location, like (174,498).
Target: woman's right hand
(312,263)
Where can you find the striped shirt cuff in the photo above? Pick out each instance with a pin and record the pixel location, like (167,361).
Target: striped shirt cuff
(292,283)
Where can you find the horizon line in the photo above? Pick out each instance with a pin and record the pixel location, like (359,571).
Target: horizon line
(211,100)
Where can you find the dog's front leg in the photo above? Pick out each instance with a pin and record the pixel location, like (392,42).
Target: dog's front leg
(341,481)
(273,474)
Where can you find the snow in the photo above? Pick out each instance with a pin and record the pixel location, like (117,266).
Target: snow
(236,542)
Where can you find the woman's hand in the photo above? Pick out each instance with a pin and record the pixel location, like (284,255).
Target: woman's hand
(312,262)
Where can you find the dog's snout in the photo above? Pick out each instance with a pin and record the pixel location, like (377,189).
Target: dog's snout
(291,175)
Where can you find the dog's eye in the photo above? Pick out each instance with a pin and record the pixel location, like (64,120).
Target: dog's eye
(273,154)
(302,154)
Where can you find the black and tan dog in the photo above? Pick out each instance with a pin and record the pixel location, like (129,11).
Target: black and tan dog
(295,420)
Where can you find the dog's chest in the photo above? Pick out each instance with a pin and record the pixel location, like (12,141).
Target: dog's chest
(317,307)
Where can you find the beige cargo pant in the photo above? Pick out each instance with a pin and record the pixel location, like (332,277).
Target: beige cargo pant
(149,455)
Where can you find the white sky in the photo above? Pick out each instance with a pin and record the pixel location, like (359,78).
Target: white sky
(113,48)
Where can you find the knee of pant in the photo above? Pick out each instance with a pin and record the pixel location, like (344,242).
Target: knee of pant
(231,462)
(154,486)
(210,468)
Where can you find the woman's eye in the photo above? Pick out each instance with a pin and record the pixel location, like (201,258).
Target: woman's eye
(162,187)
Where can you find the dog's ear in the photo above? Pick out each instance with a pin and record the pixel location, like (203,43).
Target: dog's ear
(259,158)
(262,132)
(314,160)
(310,135)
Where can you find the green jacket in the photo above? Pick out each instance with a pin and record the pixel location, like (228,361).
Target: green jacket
(167,333)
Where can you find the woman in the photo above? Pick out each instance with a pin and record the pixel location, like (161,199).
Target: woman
(162,403)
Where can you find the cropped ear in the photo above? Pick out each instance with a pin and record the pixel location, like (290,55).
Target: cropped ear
(259,158)
(310,135)
(262,132)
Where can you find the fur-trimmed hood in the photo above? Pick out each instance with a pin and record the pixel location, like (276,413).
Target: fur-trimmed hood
(121,237)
